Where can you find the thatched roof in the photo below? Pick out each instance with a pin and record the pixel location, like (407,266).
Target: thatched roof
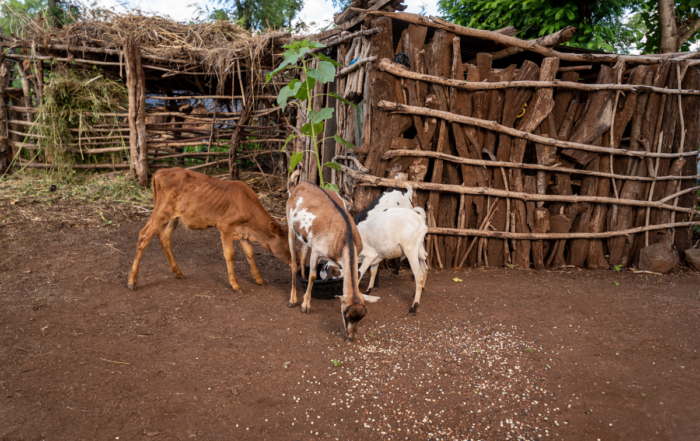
(169,49)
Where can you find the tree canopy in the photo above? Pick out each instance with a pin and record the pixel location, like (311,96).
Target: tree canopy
(599,24)
(15,12)
(253,14)
(610,25)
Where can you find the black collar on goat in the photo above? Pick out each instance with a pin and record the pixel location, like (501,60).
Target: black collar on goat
(317,217)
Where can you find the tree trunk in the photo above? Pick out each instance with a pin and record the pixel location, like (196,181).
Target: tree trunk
(668,41)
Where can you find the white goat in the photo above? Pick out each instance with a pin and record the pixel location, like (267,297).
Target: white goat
(392,234)
(388,199)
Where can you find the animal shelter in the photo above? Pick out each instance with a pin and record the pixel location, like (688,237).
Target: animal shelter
(523,153)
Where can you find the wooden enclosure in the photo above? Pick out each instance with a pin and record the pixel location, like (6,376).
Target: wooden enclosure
(524,153)
(196,95)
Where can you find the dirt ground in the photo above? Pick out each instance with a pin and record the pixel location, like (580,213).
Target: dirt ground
(491,354)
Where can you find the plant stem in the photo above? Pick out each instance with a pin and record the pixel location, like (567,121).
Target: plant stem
(309,108)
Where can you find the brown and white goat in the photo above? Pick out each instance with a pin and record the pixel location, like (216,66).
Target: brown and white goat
(319,220)
(200,202)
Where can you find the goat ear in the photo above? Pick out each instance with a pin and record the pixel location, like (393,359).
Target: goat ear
(341,298)
(275,229)
(370,299)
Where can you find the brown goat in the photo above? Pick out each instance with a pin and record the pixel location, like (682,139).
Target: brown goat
(200,202)
(319,219)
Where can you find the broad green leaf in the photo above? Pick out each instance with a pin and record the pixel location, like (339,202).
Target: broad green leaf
(333,165)
(325,72)
(289,138)
(303,94)
(295,159)
(341,99)
(318,128)
(288,91)
(279,69)
(315,45)
(330,60)
(325,113)
(329,186)
(344,142)
(292,56)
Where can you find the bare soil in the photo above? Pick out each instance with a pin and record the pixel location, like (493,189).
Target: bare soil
(491,354)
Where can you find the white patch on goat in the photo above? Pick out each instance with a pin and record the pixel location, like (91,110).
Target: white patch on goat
(305,220)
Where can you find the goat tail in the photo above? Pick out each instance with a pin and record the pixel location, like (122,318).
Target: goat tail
(422,214)
(423,258)
(409,193)
(292,181)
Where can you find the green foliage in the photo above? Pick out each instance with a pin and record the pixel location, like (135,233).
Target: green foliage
(14,13)
(300,93)
(600,24)
(647,20)
(347,144)
(252,14)
(295,159)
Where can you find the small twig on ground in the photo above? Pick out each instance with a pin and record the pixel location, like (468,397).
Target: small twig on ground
(118,362)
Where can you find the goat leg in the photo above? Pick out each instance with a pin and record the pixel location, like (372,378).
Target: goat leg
(293,296)
(313,267)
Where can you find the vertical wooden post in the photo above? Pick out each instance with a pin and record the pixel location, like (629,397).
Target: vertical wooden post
(136,85)
(247,109)
(330,129)
(384,126)
(5,148)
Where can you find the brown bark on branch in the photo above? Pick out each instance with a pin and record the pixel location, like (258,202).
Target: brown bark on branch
(399,71)
(547,41)
(490,125)
(385,182)
(512,41)
(553,236)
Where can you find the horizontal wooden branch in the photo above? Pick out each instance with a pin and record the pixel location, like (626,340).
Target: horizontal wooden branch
(159,157)
(491,125)
(460,189)
(400,71)
(514,42)
(366,33)
(550,40)
(553,236)
(77,60)
(459,160)
(575,68)
(356,65)
(24,163)
(206,97)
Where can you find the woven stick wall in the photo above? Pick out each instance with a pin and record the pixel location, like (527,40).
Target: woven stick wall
(573,158)
(158,60)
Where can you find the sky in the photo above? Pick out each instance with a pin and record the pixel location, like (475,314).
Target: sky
(318,11)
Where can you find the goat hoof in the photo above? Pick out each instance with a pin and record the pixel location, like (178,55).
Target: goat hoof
(260,283)
(131,286)
(413,309)
(179,276)
(237,291)
(305,310)
(291,304)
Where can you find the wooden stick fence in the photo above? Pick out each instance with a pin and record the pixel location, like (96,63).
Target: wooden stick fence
(543,166)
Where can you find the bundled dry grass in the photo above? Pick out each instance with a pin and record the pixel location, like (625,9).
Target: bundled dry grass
(212,47)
